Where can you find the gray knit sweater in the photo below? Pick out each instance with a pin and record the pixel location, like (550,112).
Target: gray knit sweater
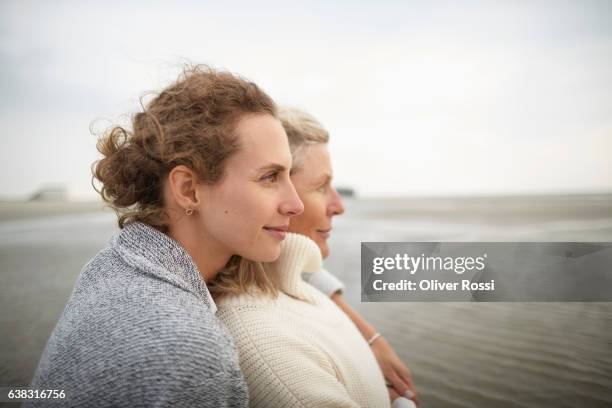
(138,331)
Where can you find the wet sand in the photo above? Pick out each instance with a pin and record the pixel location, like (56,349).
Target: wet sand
(461,354)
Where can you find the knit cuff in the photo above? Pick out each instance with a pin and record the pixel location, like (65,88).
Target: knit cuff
(401,402)
(324,281)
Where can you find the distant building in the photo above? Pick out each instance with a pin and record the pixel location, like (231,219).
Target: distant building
(51,193)
(346,191)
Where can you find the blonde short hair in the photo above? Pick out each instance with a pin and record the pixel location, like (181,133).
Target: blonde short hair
(302,130)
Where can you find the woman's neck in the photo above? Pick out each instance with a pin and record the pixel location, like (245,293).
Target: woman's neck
(207,255)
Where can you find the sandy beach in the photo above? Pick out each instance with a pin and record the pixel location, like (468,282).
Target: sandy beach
(461,354)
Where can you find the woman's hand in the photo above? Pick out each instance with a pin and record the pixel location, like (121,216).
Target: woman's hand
(397,375)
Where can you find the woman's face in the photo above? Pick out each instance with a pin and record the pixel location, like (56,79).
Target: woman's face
(321,200)
(247,212)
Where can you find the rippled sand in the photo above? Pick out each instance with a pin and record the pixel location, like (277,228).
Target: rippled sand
(488,354)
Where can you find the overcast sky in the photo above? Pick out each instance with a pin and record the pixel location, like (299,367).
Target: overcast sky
(421,98)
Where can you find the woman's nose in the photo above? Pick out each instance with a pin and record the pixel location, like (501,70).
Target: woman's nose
(291,204)
(336,206)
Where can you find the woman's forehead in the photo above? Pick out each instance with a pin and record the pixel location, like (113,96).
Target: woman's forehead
(316,165)
(263,141)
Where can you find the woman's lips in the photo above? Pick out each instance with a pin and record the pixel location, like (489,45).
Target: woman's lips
(324,232)
(277,232)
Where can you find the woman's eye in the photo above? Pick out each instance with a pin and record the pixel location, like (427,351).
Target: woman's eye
(271,177)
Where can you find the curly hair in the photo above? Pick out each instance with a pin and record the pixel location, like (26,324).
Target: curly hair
(192,123)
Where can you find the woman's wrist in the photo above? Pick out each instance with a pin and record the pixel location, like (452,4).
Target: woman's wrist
(374,337)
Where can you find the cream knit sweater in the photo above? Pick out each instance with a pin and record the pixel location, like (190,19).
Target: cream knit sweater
(300,349)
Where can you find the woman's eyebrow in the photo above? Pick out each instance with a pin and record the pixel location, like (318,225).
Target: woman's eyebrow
(272,166)
(325,178)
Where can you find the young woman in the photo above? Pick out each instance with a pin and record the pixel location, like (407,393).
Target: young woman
(298,348)
(200,183)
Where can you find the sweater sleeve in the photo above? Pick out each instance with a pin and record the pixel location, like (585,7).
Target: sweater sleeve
(280,368)
(324,281)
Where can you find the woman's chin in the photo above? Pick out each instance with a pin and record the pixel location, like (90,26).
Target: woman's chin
(268,255)
(324,249)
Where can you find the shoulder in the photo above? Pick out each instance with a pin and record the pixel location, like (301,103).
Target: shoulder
(244,311)
(121,313)
(283,361)
(269,325)
(256,305)
(134,346)
(164,315)
(108,278)
(186,338)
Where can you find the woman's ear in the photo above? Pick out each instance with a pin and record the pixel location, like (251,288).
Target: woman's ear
(182,183)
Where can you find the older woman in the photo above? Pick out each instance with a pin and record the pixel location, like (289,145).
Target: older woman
(312,176)
(296,346)
(200,183)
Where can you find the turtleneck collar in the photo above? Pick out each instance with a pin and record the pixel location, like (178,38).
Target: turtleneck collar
(298,254)
(153,252)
